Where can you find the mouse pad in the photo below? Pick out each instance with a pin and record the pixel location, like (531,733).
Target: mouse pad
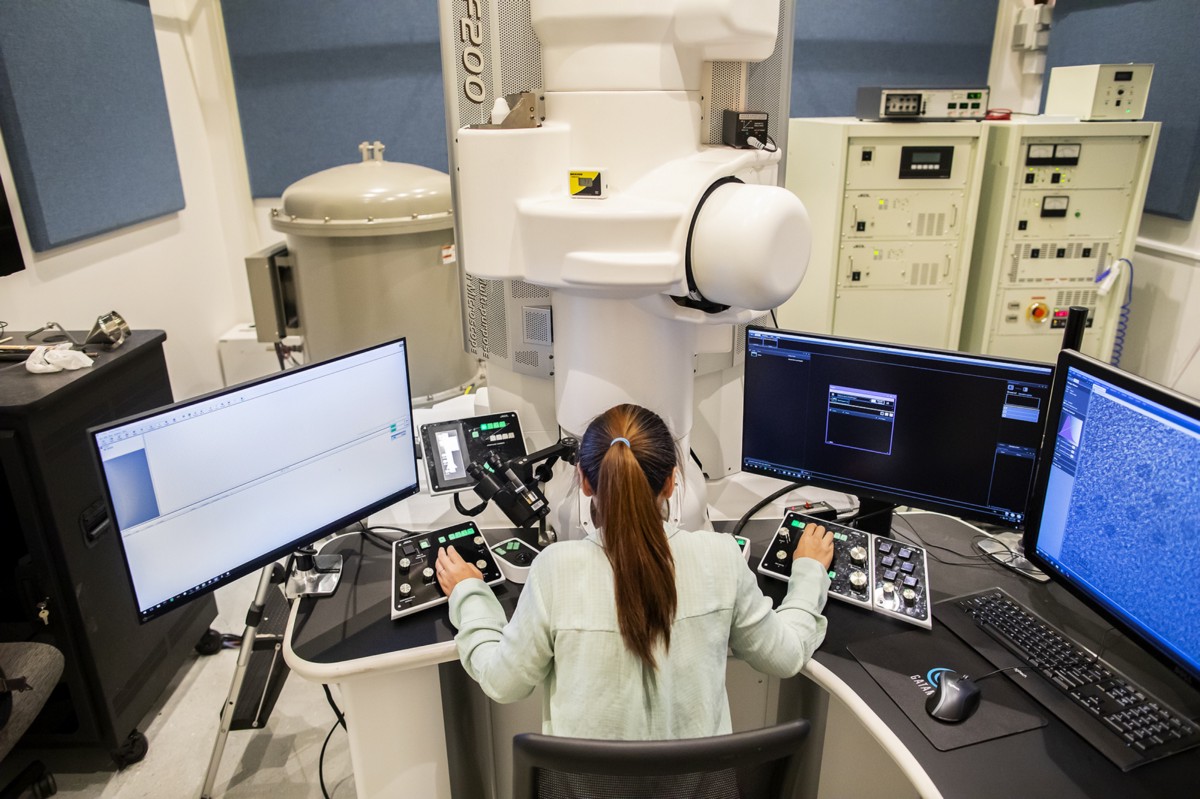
(908,665)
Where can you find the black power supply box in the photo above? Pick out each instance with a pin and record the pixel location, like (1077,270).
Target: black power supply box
(738,127)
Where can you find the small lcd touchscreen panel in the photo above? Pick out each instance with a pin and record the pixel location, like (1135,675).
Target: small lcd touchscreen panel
(450,447)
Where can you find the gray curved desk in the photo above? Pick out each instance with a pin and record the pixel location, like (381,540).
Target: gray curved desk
(411,716)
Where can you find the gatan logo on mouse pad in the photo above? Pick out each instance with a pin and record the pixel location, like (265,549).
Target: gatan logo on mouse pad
(929,683)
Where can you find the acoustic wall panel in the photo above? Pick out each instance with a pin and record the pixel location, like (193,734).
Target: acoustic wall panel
(850,43)
(316,77)
(84,116)
(1159,32)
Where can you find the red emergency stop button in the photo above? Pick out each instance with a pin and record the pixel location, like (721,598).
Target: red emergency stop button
(1038,311)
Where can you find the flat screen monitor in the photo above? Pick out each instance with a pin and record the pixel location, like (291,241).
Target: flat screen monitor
(1115,516)
(944,431)
(209,489)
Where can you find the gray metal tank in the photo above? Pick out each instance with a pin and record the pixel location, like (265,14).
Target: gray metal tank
(371,246)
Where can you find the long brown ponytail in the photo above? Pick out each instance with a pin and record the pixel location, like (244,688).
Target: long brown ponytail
(627,455)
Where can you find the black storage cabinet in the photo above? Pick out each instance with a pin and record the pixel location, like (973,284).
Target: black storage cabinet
(59,553)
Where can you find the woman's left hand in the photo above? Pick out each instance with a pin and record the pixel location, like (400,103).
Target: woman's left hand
(451,569)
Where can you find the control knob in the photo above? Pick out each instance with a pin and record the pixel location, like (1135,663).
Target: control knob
(909,596)
(858,555)
(481,564)
(404,590)
(403,565)
(427,574)
(889,592)
(477,540)
(858,580)
(781,555)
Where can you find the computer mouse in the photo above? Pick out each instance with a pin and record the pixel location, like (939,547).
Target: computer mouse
(956,699)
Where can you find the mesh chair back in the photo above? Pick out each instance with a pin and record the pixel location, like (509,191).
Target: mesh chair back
(757,764)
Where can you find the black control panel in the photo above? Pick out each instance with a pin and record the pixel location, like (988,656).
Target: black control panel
(414,580)
(450,447)
(870,571)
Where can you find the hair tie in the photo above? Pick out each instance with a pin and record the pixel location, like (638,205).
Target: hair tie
(621,439)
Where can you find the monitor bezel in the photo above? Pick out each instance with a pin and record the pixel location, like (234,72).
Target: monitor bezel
(1166,397)
(896,498)
(265,558)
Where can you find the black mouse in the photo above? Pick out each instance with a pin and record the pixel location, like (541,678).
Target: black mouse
(956,698)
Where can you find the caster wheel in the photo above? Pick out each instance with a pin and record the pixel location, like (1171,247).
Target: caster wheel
(132,751)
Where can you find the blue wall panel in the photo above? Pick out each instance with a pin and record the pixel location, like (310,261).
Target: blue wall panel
(84,117)
(1159,32)
(316,77)
(845,44)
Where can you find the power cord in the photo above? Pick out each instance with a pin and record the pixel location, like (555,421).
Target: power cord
(768,147)
(341,721)
(1123,317)
(737,529)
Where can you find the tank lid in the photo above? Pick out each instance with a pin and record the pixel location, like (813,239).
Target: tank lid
(370,198)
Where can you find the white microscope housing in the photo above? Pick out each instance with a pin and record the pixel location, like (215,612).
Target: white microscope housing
(677,233)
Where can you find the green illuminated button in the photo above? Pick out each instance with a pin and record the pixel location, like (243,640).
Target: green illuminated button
(425,543)
(461,534)
(796,523)
(441,539)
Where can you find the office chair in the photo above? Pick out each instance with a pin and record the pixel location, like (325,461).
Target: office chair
(758,764)
(29,671)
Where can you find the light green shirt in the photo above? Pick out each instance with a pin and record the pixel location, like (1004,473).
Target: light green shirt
(564,636)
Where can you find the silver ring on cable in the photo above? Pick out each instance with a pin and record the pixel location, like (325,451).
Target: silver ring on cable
(620,439)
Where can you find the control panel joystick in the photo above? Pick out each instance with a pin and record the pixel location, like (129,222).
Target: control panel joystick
(417,554)
(885,575)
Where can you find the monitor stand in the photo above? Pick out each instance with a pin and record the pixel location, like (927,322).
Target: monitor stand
(876,517)
(1008,549)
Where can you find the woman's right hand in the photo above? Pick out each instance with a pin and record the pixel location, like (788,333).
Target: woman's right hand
(817,543)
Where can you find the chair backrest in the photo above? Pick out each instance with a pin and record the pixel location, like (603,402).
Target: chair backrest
(757,764)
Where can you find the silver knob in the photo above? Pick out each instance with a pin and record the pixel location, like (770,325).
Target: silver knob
(909,596)
(889,592)
(477,540)
(404,564)
(858,555)
(781,554)
(404,590)
(858,580)
(481,564)
(427,574)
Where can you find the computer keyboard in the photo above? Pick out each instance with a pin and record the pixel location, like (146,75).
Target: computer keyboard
(1125,723)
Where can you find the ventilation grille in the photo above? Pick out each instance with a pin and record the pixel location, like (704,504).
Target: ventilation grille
(520,52)
(537,324)
(528,291)
(1084,297)
(931,224)
(526,358)
(923,274)
(725,92)
(487,325)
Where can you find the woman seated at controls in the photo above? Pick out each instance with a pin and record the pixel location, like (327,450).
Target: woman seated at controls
(628,629)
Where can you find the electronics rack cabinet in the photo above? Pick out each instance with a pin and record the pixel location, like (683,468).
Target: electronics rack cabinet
(59,553)
(893,206)
(1061,202)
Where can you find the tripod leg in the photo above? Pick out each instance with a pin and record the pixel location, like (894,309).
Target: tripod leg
(253,618)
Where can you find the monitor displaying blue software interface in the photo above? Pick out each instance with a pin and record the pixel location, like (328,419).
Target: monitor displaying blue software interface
(206,490)
(1116,515)
(944,431)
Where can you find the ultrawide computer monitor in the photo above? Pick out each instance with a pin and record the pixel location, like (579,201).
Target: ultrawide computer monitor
(206,490)
(1115,515)
(943,431)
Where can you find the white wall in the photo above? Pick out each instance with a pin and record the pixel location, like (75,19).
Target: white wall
(182,273)
(1163,336)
